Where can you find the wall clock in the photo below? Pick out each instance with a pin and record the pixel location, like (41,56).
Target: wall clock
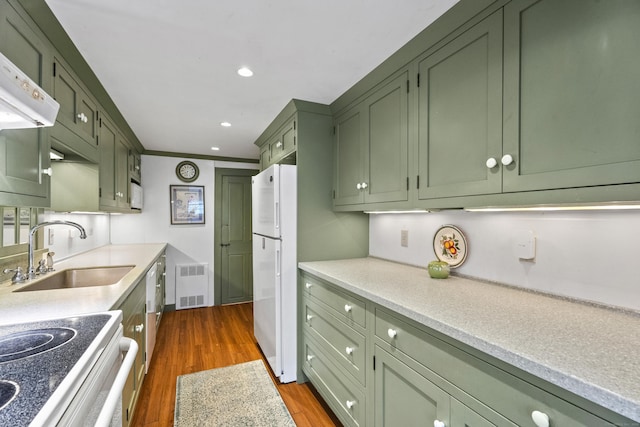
(187,171)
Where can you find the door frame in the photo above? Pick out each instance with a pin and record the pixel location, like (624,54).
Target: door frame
(217,252)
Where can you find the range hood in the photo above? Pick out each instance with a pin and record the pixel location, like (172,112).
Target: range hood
(23,104)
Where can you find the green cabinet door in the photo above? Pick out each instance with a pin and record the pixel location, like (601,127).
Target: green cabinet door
(107,143)
(386,135)
(571,93)
(24,153)
(78,112)
(283,142)
(459,105)
(405,398)
(371,147)
(348,157)
(123,186)
(463,416)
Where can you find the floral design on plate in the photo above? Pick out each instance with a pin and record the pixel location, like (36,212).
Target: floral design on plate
(450,245)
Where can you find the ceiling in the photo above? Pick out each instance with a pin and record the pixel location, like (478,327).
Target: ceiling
(171,66)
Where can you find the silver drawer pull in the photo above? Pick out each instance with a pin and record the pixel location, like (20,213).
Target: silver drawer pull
(350,403)
(348,308)
(540,419)
(348,350)
(309,317)
(308,285)
(392,333)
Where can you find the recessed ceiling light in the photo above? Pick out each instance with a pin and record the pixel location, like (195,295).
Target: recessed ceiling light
(225,124)
(245,72)
(215,148)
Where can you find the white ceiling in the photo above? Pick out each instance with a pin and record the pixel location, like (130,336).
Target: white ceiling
(170,66)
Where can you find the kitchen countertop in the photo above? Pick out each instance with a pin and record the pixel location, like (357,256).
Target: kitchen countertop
(18,307)
(585,348)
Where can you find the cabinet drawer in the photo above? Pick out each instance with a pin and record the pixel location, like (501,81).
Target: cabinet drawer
(510,396)
(346,307)
(345,345)
(345,398)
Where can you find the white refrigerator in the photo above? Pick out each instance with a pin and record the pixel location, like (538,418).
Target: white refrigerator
(275,267)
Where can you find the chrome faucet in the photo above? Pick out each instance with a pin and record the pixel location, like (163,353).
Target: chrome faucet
(31,271)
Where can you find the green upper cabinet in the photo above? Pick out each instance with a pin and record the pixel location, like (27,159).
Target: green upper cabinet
(459,108)
(571,93)
(348,152)
(371,147)
(283,143)
(24,153)
(114,169)
(78,112)
(135,166)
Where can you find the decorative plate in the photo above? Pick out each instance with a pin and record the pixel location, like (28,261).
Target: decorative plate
(450,245)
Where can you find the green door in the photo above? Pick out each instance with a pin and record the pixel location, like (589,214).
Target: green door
(387,136)
(24,153)
(405,398)
(348,157)
(459,106)
(233,235)
(571,93)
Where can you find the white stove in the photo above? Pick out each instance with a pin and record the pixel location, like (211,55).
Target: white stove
(64,372)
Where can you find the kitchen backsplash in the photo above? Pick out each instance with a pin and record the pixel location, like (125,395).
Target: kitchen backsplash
(590,255)
(66,241)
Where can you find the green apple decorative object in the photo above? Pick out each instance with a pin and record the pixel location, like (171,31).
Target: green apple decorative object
(438,269)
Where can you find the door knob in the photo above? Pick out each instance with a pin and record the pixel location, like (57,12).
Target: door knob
(491,162)
(507,159)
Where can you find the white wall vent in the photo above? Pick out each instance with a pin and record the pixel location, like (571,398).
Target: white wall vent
(191,285)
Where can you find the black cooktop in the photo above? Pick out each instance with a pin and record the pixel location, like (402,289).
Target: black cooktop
(35,358)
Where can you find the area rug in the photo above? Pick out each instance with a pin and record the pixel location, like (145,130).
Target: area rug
(238,395)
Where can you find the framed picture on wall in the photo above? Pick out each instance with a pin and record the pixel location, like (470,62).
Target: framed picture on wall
(187,204)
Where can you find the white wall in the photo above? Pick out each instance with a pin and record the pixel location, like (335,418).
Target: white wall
(187,243)
(591,255)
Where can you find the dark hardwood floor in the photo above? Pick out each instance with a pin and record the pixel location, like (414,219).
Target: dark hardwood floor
(205,338)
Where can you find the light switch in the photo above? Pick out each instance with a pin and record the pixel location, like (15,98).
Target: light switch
(404,238)
(525,245)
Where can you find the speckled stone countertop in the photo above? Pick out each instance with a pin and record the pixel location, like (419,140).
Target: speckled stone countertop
(17,307)
(590,350)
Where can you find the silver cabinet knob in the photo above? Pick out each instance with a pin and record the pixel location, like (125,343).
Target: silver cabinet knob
(364,185)
(349,350)
(438,423)
(491,162)
(359,186)
(310,357)
(392,333)
(309,317)
(308,285)
(47,171)
(278,144)
(507,159)
(350,404)
(140,327)
(348,308)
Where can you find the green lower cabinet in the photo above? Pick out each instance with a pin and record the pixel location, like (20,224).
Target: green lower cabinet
(405,398)
(463,416)
(346,399)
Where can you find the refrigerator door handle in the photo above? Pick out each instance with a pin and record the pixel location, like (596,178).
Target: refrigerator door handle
(277,262)
(277,215)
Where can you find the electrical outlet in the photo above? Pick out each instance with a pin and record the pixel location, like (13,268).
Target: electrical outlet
(404,238)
